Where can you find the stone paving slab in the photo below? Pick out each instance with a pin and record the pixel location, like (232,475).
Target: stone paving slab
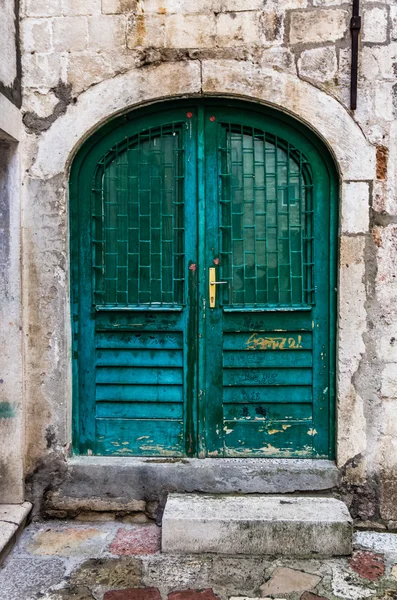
(69,560)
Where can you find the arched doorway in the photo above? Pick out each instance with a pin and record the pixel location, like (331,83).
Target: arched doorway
(203,248)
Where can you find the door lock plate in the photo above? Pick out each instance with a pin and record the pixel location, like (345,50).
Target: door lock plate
(212,285)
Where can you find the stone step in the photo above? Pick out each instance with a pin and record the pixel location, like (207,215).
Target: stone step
(122,484)
(251,524)
(12,521)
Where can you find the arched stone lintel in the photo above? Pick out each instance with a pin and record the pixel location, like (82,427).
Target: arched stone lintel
(354,156)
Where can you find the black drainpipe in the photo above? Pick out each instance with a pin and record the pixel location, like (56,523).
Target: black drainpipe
(355,27)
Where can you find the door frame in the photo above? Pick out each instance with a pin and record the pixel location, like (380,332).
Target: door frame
(114,125)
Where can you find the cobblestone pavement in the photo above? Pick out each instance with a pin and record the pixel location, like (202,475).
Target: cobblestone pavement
(65,560)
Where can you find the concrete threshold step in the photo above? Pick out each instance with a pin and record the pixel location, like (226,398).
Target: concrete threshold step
(252,524)
(12,521)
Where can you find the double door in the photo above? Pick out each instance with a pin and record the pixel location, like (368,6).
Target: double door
(203,300)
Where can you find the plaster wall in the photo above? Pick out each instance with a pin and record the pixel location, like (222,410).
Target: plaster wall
(85,61)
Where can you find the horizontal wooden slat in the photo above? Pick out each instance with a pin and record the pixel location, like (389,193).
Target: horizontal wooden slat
(268,412)
(139,340)
(140,393)
(146,321)
(268,394)
(140,410)
(140,437)
(277,341)
(265,377)
(279,320)
(140,358)
(270,358)
(276,439)
(139,375)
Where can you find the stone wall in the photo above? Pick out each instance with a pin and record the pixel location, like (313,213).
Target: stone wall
(10,64)
(87,60)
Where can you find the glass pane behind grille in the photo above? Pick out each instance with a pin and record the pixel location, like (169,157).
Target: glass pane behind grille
(266,220)
(139,221)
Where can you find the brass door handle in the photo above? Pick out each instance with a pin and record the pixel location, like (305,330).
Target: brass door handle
(213,283)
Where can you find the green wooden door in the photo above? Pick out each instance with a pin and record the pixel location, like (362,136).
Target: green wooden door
(166,364)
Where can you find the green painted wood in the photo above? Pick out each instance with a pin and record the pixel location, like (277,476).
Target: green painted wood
(261,411)
(267,321)
(139,340)
(139,375)
(270,358)
(140,437)
(148,320)
(139,358)
(256,376)
(281,341)
(157,198)
(274,439)
(140,410)
(140,393)
(269,393)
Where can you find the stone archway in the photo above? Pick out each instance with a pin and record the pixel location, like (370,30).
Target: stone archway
(46,189)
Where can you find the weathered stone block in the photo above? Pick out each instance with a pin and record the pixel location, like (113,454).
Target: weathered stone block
(81,7)
(86,69)
(389,381)
(70,34)
(180,7)
(326,3)
(236,5)
(287,581)
(71,593)
(386,345)
(114,7)
(318,63)
(280,58)
(23,577)
(207,594)
(285,4)
(386,240)
(43,8)
(311,596)
(190,31)
(133,594)
(375,24)
(393,17)
(70,541)
(315,26)
(107,32)
(388,495)
(121,572)
(377,62)
(272,25)
(136,541)
(234,29)
(42,70)
(344,586)
(355,207)
(256,525)
(352,298)
(56,501)
(368,565)
(36,35)
(15,513)
(146,30)
(383,103)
